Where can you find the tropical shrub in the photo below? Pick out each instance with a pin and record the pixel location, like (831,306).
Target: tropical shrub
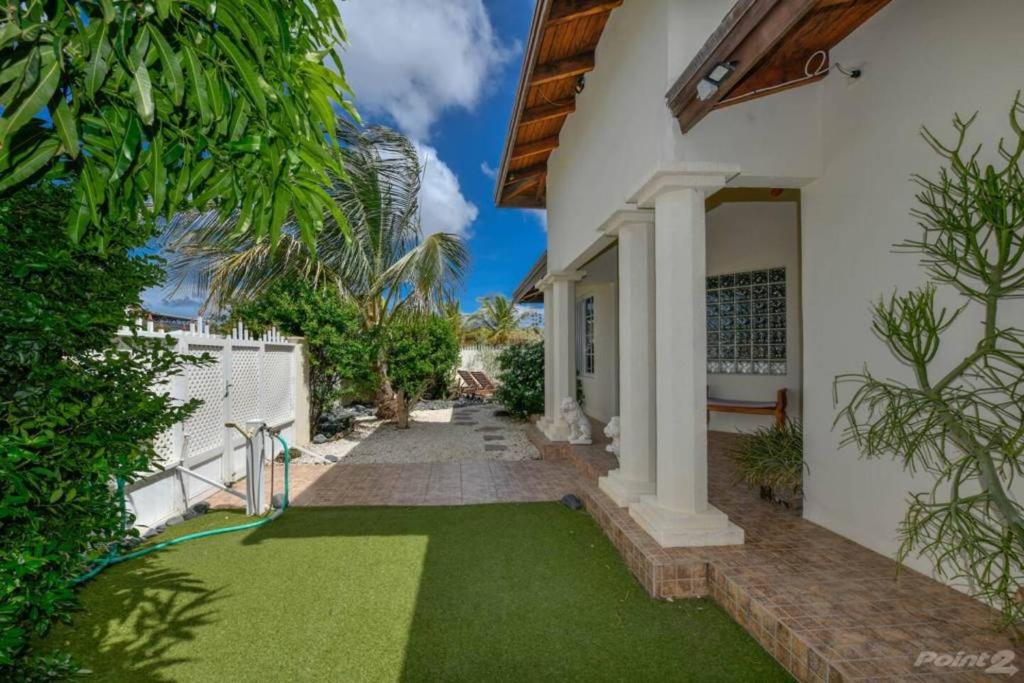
(77,411)
(772,459)
(419,349)
(341,354)
(497,321)
(389,268)
(161,105)
(959,419)
(521,379)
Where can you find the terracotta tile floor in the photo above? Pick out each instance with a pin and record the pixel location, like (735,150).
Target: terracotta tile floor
(825,607)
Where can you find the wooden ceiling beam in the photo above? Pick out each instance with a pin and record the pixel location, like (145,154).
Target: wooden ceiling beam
(526,149)
(748,33)
(545,112)
(518,187)
(570,67)
(528,172)
(571,10)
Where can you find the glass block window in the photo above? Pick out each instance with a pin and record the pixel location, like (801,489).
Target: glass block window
(585,335)
(747,323)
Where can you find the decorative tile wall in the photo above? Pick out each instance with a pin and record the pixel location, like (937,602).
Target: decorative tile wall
(746,320)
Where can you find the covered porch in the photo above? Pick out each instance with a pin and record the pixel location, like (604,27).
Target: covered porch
(692,290)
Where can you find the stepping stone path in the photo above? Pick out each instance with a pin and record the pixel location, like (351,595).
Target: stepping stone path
(493,437)
(495,447)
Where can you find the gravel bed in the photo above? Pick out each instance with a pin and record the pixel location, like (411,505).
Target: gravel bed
(439,431)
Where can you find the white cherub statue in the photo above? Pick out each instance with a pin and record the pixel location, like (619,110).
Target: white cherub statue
(612,431)
(579,425)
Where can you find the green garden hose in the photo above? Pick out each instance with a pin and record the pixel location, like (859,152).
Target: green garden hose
(114,557)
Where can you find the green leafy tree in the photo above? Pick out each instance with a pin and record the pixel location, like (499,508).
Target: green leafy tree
(498,320)
(420,348)
(77,411)
(341,354)
(163,104)
(521,379)
(962,423)
(388,268)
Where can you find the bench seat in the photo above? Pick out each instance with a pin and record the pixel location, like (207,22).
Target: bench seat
(776,408)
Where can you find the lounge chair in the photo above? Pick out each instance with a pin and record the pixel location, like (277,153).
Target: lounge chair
(484,381)
(470,387)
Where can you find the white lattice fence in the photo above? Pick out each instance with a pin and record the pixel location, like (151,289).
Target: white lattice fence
(245,377)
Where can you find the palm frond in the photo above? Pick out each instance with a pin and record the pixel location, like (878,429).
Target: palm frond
(378,258)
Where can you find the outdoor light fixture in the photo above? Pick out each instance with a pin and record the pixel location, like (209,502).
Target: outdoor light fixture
(581,83)
(708,85)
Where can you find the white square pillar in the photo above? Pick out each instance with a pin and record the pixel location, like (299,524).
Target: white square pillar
(549,350)
(563,350)
(678,514)
(635,475)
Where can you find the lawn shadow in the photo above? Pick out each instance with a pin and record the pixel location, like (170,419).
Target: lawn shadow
(140,622)
(526,592)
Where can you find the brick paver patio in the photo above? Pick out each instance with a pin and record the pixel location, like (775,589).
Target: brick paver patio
(828,609)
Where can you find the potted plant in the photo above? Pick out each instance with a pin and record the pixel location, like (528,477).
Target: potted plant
(772,459)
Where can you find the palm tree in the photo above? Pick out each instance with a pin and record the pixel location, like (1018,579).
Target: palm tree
(498,319)
(371,251)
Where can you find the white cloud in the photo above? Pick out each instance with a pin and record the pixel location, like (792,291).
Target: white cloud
(443,208)
(541,216)
(412,59)
(488,170)
(163,299)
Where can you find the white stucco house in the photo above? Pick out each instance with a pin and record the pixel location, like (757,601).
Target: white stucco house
(724,182)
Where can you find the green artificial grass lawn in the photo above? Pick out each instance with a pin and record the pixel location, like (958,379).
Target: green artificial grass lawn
(491,592)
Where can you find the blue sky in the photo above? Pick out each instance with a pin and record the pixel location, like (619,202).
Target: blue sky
(444,72)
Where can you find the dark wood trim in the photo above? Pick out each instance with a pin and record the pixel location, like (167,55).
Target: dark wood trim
(570,10)
(551,110)
(778,411)
(770,90)
(724,40)
(528,172)
(759,28)
(569,67)
(518,187)
(526,149)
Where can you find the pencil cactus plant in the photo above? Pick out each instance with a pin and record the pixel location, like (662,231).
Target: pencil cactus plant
(959,420)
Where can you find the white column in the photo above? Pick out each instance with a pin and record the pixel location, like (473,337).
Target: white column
(549,356)
(563,345)
(637,419)
(678,514)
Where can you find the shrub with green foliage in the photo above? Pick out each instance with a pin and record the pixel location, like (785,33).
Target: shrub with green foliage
(521,388)
(772,459)
(341,353)
(157,106)
(78,410)
(419,349)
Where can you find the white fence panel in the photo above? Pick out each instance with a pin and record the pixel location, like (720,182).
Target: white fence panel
(248,377)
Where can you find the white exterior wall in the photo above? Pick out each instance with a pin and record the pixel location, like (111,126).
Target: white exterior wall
(850,145)
(601,389)
(622,127)
(750,236)
(923,60)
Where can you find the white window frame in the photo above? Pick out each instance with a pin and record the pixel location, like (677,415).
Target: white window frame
(586,360)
